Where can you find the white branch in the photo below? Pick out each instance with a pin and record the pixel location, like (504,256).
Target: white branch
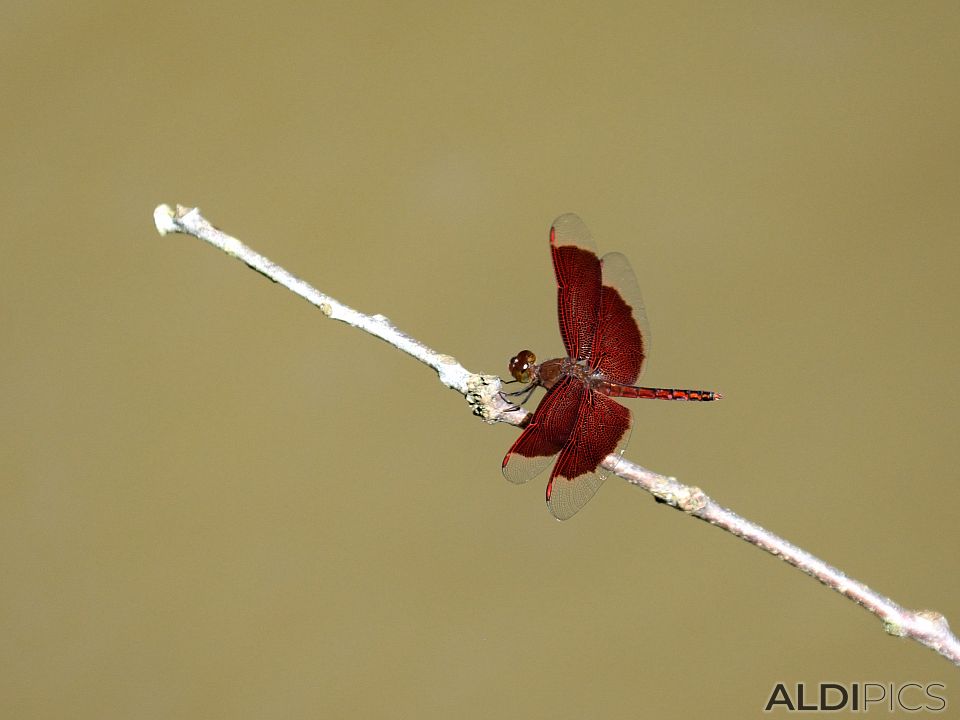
(483,395)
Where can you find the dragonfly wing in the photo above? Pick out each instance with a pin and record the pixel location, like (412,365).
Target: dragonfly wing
(579,277)
(602,428)
(620,344)
(546,434)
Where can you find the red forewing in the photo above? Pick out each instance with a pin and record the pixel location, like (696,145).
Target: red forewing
(547,432)
(577,268)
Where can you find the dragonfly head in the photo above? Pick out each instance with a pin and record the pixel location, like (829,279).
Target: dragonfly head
(523,366)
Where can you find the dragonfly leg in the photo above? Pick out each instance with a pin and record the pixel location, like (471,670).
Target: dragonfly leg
(525,391)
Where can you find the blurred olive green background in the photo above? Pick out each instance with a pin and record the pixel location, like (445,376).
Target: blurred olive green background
(217,504)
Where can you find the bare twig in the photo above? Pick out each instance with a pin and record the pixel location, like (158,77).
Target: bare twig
(483,394)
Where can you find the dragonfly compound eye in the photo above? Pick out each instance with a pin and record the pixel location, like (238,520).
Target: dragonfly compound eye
(521,366)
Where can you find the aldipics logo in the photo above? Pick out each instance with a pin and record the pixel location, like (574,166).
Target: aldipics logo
(860,697)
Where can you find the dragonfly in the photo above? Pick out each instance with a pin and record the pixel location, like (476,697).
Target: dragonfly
(606,335)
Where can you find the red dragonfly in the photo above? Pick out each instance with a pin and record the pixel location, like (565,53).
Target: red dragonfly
(605,332)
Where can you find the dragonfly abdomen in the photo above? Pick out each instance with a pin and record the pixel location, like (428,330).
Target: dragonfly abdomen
(632,391)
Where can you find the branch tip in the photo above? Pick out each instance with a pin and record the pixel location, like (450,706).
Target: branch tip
(163,219)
